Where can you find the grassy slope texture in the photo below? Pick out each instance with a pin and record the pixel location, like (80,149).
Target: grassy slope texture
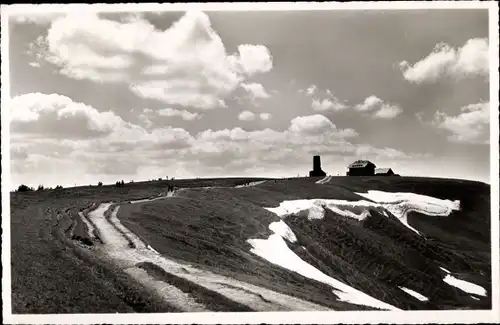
(57,266)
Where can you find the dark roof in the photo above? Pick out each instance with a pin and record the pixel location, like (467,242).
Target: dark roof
(382,170)
(360,164)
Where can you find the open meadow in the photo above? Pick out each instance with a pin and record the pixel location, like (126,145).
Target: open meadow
(252,245)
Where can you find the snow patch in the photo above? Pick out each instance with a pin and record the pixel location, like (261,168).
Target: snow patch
(443,269)
(280,228)
(414,294)
(275,250)
(152,249)
(475,298)
(465,286)
(400,204)
(316,208)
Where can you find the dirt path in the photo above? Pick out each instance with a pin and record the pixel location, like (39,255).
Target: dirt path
(324,180)
(116,238)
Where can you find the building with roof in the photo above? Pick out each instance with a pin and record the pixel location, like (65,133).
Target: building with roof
(317,171)
(383,172)
(361,168)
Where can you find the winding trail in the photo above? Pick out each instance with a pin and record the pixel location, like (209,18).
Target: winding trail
(251,184)
(324,180)
(116,238)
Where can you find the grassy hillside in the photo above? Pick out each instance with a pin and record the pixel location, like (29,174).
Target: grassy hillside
(208,228)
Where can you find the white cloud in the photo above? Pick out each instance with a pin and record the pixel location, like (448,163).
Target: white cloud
(246,116)
(58,115)
(129,151)
(379,108)
(256,90)
(186,64)
(265,116)
(370,103)
(316,124)
(469,60)
(311,90)
(388,111)
(470,126)
(146,120)
(252,59)
(38,18)
(328,104)
(185,115)
(420,116)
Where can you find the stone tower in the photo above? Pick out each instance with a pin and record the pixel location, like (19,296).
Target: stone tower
(317,171)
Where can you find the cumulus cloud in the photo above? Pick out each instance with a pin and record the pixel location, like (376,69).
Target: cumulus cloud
(265,116)
(255,90)
(329,102)
(252,59)
(388,111)
(246,116)
(370,103)
(328,105)
(57,115)
(470,126)
(146,120)
(185,115)
(239,150)
(186,64)
(311,124)
(134,151)
(379,108)
(469,60)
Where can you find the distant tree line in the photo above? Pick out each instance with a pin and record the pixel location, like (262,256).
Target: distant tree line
(26,188)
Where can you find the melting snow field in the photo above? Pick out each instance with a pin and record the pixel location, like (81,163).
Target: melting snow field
(275,250)
(317,210)
(414,294)
(399,204)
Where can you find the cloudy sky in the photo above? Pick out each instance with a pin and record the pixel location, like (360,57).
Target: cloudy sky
(136,96)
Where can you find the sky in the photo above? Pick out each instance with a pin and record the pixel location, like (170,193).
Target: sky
(140,95)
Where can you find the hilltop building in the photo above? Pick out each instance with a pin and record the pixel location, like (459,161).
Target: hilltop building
(361,168)
(384,172)
(317,171)
(367,168)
